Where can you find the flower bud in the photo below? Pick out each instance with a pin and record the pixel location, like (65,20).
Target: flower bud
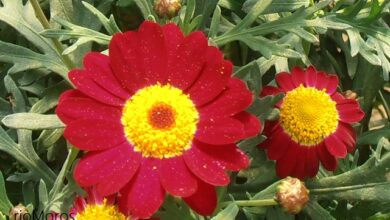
(292,195)
(349,94)
(167,8)
(18,212)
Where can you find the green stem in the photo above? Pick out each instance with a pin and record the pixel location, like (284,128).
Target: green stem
(46,25)
(257,203)
(345,188)
(385,105)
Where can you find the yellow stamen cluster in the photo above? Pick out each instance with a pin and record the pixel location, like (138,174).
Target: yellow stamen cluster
(160,121)
(308,115)
(100,211)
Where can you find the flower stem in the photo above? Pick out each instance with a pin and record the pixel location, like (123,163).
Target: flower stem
(257,203)
(345,188)
(46,25)
(385,105)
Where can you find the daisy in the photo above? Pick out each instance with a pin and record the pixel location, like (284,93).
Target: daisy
(92,207)
(314,124)
(160,114)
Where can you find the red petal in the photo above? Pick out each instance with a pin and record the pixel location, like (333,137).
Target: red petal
(349,111)
(219,130)
(173,38)
(110,169)
(333,82)
(188,61)
(72,93)
(94,134)
(236,98)
(347,134)
(277,144)
(286,164)
(205,166)
(299,168)
(126,62)
(322,80)
(204,201)
(285,82)
(176,178)
(153,53)
(270,90)
(252,125)
(228,156)
(98,68)
(213,78)
(337,97)
(312,162)
(327,160)
(72,109)
(335,147)
(311,77)
(143,196)
(90,88)
(298,76)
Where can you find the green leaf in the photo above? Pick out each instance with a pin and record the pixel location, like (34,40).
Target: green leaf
(24,21)
(82,34)
(5,204)
(277,5)
(109,24)
(25,59)
(190,11)
(146,8)
(258,8)
(43,195)
(316,211)
(372,137)
(269,48)
(63,9)
(228,213)
(50,97)
(32,121)
(216,20)
(369,182)
(2,216)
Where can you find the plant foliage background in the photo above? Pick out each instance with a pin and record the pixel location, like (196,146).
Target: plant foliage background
(261,37)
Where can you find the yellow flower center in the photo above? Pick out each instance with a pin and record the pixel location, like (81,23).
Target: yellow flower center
(308,115)
(160,121)
(100,211)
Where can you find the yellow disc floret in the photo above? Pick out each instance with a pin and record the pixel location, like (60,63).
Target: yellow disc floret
(100,211)
(160,121)
(308,115)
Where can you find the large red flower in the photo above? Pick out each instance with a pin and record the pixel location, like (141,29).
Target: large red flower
(160,114)
(314,124)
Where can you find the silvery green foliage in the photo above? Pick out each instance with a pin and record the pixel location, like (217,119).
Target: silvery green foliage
(261,37)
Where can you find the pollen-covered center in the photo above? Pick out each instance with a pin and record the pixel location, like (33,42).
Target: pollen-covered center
(100,211)
(160,121)
(161,116)
(308,115)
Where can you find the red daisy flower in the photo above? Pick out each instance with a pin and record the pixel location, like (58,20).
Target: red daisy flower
(92,207)
(314,124)
(160,114)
